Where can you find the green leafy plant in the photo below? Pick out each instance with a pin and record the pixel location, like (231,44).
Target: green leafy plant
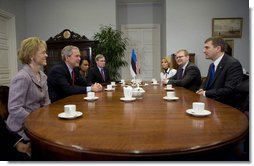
(111,44)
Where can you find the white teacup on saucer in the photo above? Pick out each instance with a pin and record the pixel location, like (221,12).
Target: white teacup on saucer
(198,107)
(70,110)
(91,95)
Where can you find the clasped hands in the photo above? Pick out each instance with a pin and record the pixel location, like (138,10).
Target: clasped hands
(96,87)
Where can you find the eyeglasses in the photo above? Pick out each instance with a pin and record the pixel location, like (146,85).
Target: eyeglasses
(179,57)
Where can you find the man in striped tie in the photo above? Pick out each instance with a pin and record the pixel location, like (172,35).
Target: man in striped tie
(188,74)
(99,73)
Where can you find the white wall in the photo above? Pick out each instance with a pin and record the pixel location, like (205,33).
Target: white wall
(17,8)
(143,13)
(49,17)
(189,23)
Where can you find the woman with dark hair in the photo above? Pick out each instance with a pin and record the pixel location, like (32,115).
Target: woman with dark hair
(84,67)
(12,147)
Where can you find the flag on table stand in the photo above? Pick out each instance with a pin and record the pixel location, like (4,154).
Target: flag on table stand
(134,65)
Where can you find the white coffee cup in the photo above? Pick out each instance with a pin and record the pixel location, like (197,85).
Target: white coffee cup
(155,81)
(91,95)
(170,95)
(198,106)
(109,87)
(169,86)
(113,83)
(70,109)
(127,92)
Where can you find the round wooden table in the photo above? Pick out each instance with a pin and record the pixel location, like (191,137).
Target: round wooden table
(145,129)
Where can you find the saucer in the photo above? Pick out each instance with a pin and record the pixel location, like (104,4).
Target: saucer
(155,83)
(128,99)
(109,89)
(201,113)
(64,116)
(169,88)
(91,99)
(173,98)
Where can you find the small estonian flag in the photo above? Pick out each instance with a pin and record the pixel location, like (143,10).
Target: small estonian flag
(134,65)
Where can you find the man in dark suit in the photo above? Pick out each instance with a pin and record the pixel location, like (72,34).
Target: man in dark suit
(64,79)
(228,73)
(188,74)
(99,73)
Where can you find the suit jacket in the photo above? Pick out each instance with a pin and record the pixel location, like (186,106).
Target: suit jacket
(26,95)
(228,75)
(94,76)
(191,78)
(7,141)
(60,82)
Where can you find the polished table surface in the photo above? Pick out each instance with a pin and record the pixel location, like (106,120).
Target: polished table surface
(111,129)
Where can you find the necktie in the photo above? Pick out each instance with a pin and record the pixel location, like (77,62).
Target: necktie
(72,77)
(211,75)
(102,74)
(180,74)
(165,73)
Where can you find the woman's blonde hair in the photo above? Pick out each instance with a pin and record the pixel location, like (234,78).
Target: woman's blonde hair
(29,47)
(168,60)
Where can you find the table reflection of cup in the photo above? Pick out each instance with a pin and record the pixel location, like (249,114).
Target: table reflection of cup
(70,126)
(198,106)
(109,87)
(91,95)
(127,92)
(198,124)
(170,95)
(169,86)
(70,109)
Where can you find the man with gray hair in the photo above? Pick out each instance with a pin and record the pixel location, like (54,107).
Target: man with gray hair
(99,73)
(64,79)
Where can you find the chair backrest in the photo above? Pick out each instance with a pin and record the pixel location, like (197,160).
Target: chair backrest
(4,95)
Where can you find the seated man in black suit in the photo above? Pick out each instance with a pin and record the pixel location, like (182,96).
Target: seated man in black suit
(224,74)
(188,74)
(64,79)
(99,73)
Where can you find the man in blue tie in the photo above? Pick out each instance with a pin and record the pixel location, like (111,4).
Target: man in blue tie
(220,84)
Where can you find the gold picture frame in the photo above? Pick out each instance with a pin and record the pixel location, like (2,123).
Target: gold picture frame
(227,27)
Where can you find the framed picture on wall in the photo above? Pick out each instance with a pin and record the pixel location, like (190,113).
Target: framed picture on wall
(230,47)
(227,27)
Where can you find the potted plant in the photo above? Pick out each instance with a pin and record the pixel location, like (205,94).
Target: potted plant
(111,44)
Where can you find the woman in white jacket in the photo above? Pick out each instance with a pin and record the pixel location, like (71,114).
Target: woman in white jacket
(166,70)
